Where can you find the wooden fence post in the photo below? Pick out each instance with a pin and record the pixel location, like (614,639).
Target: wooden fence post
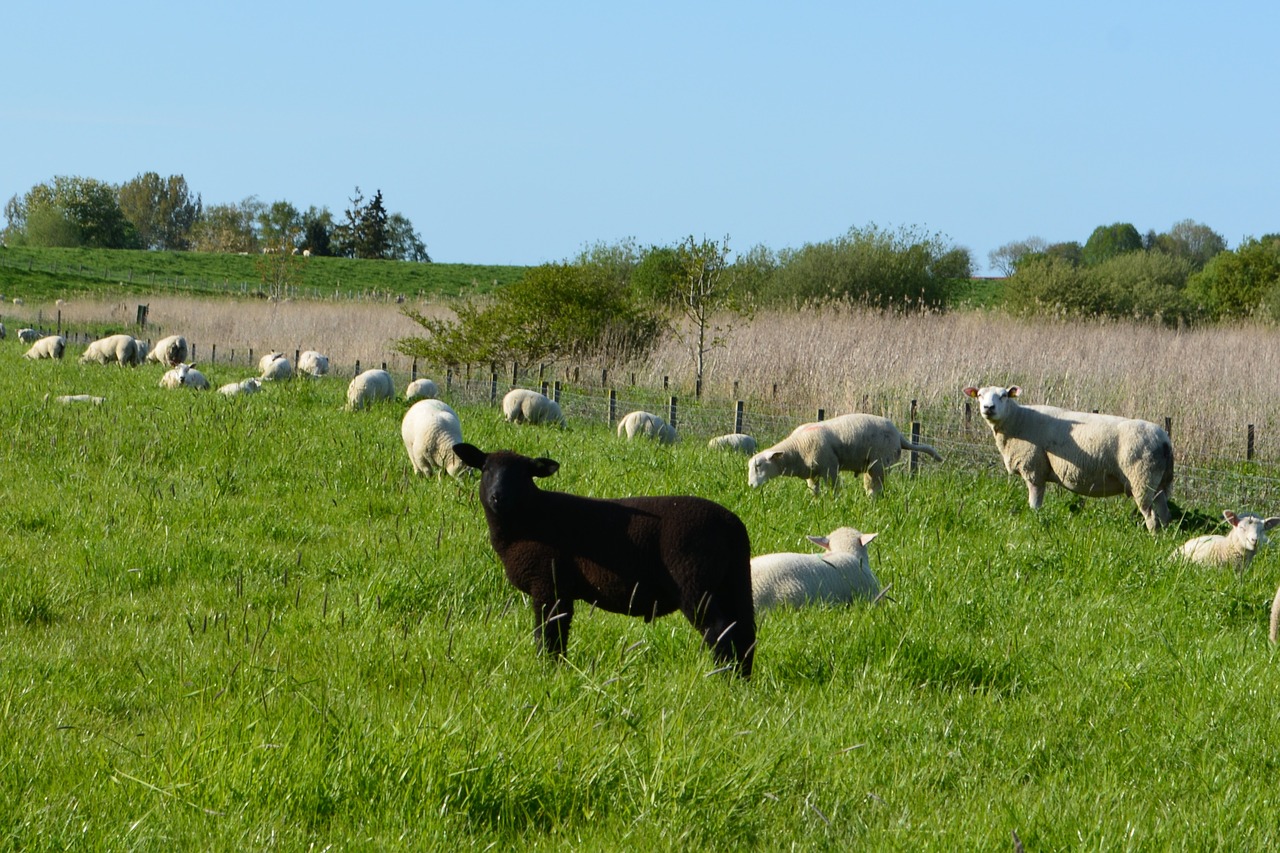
(737,415)
(671,412)
(1248,451)
(613,407)
(915,439)
(822,414)
(555,391)
(493,387)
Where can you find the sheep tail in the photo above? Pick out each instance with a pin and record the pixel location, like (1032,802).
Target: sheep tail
(921,448)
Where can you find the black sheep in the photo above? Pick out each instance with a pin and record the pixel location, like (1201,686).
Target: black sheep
(645,556)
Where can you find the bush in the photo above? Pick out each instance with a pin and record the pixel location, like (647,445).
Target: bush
(1241,283)
(1144,285)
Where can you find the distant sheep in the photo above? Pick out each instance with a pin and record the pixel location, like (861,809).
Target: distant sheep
(51,346)
(277,370)
(1092,455)
(430,429)
(28,336)
(737,441)
(172,350)
(421,389)
(69,399)
(839,575)
(374,384)
(522,406)
(184,376)
(245,386)
(862,444)
(1237,549)
(640,556)
(117,349)
(647,425)
(312,363)
(264,363)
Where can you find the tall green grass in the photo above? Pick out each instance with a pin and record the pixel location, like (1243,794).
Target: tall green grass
(244,623)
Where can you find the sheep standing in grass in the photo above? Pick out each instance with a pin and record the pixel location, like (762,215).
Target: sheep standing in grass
(736,441)
(430,429)
(646,425)
(184,375)
(245,386)
(312,363)
(374,384)
(522,406)
(28,336)
(640,556)
(421,389)
(277,369)
(51,346)
(1237,549)
(1092,455)
(862,444)
(120,349)
(839,575)
(172,350)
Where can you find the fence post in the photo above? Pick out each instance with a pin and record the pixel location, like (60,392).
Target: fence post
(604,377)
(515,373)
(737,416)
(968,414)
(413,371)
(357,373)
(697,388)
(613,407)
(822,414)
(142,316)
(213,353)
(493,387)
(555,391)
(1248,451)
(915,439)
(913,410)
(448,379)
(543,388)
(671,412)
(1168,426)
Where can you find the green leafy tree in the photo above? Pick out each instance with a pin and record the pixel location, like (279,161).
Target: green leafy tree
(48,226)
(657,274)
(280,226)
(1004,260)
(1193,241)
(228,227)
(1242,282)
(91,206)
(1107,241)
(403,243)
(317,231)
(161,210)
(707,296)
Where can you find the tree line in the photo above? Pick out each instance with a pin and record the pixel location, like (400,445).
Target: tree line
(155,213)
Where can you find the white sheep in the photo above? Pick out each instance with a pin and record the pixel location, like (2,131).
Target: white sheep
(430,429)
(737,441)
(1092,455)
(373,384)
(862,444)
(171,350)
(78,398)
(522,406)
(277,369)
(183,375)
(421,389)
(51,346)
(1274,632)
(647,425)
(312,363)
(244,386)
(120,349)
(28,335)
(839,575)
(1248,533)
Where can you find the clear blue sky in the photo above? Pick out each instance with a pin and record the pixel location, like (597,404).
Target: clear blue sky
(518,133)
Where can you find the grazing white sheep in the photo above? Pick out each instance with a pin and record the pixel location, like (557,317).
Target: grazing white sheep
(172,350)
(312,363)
(120,349)
(430,431)
(522,406)
(862,444)
(277,369)
(78,398)
(184,375)
(839,575)
(738,441)
(1237,549)
(373,384)
(647,425)
(244,386)
(1092,455)
(421,389)
(51,346)
(28,336)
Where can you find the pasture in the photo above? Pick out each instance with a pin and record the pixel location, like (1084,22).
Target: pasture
(244,623)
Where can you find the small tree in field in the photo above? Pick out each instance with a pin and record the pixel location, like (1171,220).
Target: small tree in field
(705,293)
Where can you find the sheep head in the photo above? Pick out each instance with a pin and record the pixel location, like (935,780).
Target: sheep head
(993,401)
(506,478)
(1250,529)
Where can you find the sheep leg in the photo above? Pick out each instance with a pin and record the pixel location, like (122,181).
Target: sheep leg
(1035,493)
(551,625)
(731,636)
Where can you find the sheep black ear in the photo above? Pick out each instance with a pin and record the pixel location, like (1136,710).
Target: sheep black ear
(470,454)
(544,467)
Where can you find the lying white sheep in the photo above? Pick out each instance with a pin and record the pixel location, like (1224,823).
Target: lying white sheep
(430,429)
(67,399)
(862,444)
(1092,455)
(1237,549)
(421,389)
(278,369)
(737,441)
(51,346)
(646,425)
(244,386)
(839,575)
(373,384)
(312,363)
(28,335)
(184,375)
(171,350)
(522,406)
(265,362)
(120,349)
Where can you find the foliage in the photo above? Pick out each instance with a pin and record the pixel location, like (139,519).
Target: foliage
(90,206)
(1134,284)
(1107,241)
(1242,282)
(554,311)
(1192,241)
(229,228)
(317,231)
(1004,260)
(706,295)
(280,226)
(161,210)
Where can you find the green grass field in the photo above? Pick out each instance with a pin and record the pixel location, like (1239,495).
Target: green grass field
(243,623)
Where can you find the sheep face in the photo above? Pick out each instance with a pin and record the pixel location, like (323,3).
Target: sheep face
(508,482)
(993,401)
(1250,530)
